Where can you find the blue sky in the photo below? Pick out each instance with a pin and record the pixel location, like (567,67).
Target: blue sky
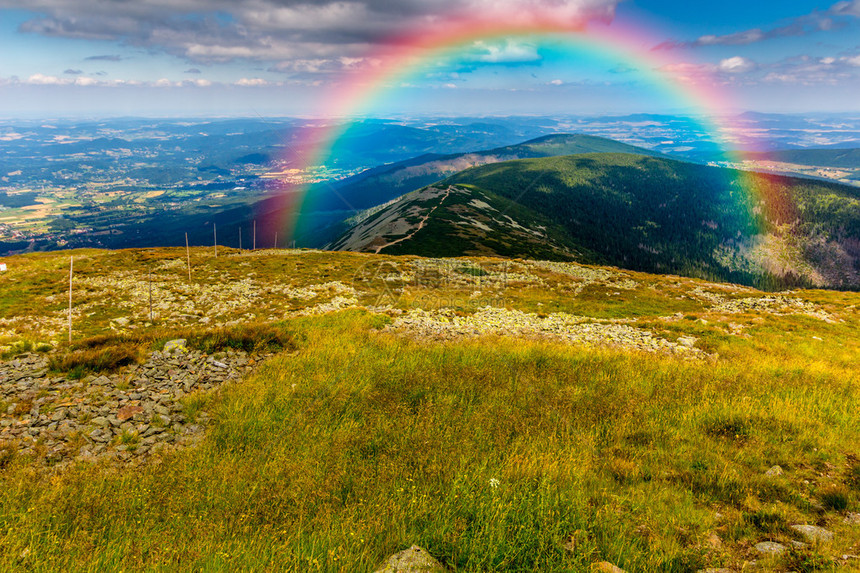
(282,57)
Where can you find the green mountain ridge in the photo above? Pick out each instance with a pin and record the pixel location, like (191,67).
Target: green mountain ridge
(643,213)
(381,184)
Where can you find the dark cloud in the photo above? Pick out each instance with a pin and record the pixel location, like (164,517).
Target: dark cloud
(72,72)
(192,71)
(276,31)
(800,26)
(105,58)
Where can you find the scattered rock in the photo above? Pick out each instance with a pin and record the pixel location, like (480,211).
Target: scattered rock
(126,403)
(414,559)
(445,324)
(813,533)
(128,412)
(774,471)
(852,519)
(770,548)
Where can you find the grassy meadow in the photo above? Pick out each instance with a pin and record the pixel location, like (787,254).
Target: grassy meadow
(494,453)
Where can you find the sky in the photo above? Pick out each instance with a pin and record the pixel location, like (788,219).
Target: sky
(323,58)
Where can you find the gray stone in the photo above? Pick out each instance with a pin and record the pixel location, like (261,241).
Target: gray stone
(100,421)
(410,560)
(178,345)
(774,471)
(770,548)
(813,533)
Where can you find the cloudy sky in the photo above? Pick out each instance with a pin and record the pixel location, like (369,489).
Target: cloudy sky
(287,57)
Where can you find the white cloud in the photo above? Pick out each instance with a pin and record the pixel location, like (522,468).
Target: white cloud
(737,65)
(510,52)
(556,82)
(854,61)
(41,79)
(252,82)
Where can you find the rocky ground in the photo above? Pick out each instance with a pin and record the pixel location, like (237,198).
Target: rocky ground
(446,325)
(125,416)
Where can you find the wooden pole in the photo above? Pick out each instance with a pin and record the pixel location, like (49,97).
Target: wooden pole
(240,238)
(188,255)
(215,232)
(255,235)
(150,295)
(71,272)
(276,240)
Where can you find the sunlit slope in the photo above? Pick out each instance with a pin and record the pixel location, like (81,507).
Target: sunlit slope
(503,415)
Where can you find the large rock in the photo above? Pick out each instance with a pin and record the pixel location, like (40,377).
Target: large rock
(411,560)
(770,548)
(813,533)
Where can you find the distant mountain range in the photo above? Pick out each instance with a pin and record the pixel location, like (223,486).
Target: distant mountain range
(633,211)
(829,157)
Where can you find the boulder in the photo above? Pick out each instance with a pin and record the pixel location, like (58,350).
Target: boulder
(414,559)
(770,548)
(813,533)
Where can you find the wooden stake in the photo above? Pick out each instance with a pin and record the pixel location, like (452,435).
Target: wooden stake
(150,295)
(71,272)
(215,231)
(276,240)
(255,235)
(188,254)
(240,238)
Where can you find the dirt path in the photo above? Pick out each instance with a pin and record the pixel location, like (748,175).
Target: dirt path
(421,224)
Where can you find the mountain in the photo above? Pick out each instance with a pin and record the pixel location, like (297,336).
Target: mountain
(829,157)
(381,184)
(463,221)
(643,213)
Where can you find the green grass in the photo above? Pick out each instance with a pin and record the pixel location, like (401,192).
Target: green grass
(362,443)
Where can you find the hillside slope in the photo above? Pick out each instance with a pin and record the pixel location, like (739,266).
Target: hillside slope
(643,213)
(459,221)
(333,408)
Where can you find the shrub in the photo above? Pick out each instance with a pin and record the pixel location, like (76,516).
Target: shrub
(250,338)
(835,498)
(104,359)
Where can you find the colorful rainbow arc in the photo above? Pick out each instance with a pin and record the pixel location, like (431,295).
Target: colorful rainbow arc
(363,85)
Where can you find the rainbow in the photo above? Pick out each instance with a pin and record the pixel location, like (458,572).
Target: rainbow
(391,65)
